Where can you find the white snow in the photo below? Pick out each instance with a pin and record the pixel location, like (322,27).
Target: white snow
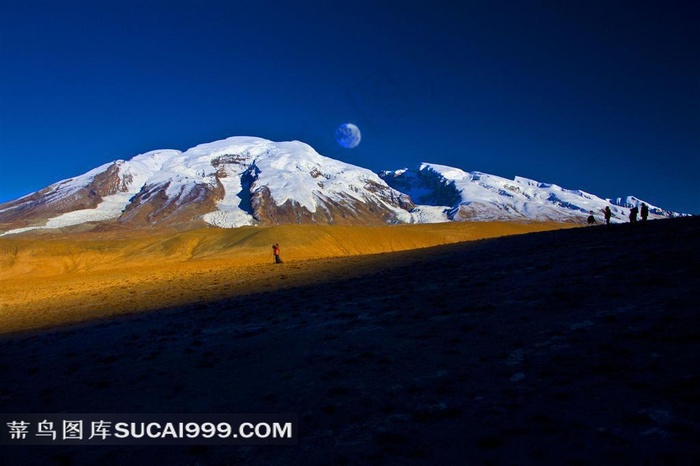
(229,214)
(429,214)
(111,207)
(20,230)
(296,171)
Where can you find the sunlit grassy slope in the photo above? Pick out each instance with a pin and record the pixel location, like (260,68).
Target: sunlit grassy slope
(51,280)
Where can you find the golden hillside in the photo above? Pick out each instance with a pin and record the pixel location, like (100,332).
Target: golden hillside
(56,279)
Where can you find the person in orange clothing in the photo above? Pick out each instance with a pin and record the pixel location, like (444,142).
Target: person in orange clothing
(276,253)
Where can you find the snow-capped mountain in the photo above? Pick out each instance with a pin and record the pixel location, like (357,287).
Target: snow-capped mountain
(229,183)
(453,194)
(253,181)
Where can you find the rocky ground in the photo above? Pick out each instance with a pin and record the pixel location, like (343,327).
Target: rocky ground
(564,347)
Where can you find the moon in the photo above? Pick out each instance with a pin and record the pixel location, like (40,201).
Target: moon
(348,135)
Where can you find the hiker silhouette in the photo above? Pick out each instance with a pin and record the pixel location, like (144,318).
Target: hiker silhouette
(633,214)
(608,215)
(645,212)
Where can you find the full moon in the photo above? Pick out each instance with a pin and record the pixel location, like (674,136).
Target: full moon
(348,135)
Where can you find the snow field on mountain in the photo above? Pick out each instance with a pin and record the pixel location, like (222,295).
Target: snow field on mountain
(229,214)
(297,172)
(111,207)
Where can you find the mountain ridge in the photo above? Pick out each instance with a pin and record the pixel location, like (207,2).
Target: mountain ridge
(479,196)
(243,180)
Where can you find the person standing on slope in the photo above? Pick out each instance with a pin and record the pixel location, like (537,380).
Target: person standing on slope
(645,212)
(276,253)
(608,215)
(633,214)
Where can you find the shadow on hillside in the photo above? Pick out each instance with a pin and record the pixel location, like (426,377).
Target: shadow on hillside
(562,347)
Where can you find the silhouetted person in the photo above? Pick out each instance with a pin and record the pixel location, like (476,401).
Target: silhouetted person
(633,214)
(276,253)
(608,215)
(591,219)
(645,212)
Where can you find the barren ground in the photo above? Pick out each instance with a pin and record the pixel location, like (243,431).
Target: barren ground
(53,279)
(563,347)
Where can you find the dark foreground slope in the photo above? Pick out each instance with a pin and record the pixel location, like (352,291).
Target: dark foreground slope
(565,347)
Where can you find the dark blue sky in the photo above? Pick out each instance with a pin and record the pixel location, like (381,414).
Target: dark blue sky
(600,96)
